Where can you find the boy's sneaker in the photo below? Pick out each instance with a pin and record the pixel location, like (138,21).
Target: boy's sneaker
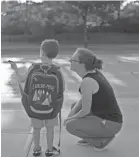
(52,153)
(83,143)
(37,152)
(104,145)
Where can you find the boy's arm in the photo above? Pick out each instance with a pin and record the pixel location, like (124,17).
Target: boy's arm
(21,77)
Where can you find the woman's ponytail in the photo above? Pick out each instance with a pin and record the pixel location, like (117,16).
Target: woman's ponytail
(98,64)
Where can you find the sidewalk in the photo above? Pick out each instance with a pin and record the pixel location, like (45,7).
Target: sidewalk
(126,144)
(19,142)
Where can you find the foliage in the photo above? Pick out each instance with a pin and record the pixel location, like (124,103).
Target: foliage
(53,17)
(91,11)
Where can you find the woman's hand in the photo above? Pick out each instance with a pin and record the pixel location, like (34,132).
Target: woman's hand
(65,121)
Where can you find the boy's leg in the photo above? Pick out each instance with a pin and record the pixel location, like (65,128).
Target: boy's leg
(36,138)
(50,137)
(37,125)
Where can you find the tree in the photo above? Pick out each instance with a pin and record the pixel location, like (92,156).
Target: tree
(102,9)
(130,17)
(31,16)
(131,10)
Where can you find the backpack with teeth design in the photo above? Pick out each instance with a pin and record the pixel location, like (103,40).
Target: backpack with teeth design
(42,97)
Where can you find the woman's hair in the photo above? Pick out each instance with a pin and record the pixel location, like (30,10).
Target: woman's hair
(90,60)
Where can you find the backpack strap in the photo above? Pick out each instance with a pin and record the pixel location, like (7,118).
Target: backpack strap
(60,128)
(45,70)
(21,89)
(56,71)
(32,68)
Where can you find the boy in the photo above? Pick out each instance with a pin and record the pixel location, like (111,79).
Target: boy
(48,51)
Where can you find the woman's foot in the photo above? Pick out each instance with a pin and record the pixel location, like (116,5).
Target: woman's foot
(37,152)
(104,144)
(82,143)
(52,153)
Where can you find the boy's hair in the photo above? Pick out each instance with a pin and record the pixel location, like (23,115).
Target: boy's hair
(50,48)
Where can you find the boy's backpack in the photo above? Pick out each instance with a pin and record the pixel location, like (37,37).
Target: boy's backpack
(42,97)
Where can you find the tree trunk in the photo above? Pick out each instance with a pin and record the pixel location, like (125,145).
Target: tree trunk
(26,22)
(85,28)
(118,13)
(85,35)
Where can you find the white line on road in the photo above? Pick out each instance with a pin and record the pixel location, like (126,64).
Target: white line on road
(61,61)
(108,75)
(77,77)
(128,59)
(135,74)
(66,77)
(30,61)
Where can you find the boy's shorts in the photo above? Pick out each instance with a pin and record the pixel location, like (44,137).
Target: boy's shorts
(36,123)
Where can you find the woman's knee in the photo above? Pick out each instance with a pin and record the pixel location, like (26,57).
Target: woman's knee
(113,127)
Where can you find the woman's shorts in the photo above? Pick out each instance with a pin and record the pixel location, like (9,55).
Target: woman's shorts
(36,123)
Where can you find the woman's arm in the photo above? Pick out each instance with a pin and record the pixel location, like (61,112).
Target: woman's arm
(88,87)
(76,108)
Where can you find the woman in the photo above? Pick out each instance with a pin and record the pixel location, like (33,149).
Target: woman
(96,118)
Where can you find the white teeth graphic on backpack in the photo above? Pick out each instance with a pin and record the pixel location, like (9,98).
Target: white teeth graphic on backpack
(41,93)
(48,100)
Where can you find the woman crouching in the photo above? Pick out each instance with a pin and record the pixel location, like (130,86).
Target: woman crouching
(96,118)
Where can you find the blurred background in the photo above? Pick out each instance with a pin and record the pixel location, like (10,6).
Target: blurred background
(109,28)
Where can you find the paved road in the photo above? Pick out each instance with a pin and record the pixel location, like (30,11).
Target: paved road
(15,126)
